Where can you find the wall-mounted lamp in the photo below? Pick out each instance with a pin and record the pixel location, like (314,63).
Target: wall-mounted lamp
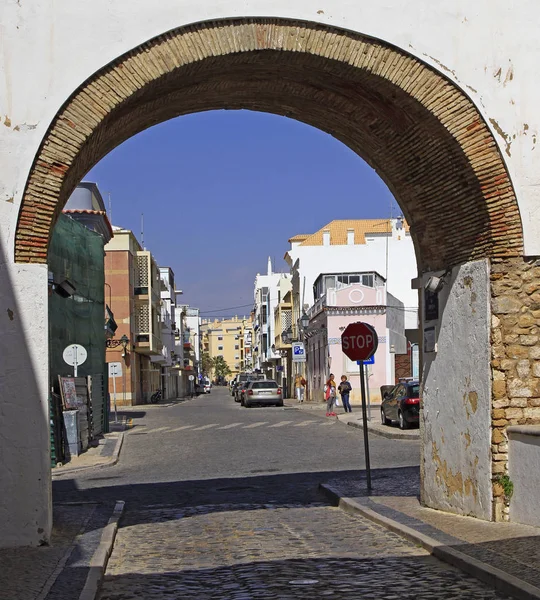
(434,284)
(123,341)
(64,289)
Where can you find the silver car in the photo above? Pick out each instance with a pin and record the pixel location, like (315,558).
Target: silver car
(262,391)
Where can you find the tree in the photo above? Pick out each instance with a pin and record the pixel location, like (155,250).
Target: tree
(207,363)
(221,368)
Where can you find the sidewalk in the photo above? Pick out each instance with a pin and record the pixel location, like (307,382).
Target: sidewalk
(504,555)
(354,419)
(105,454)
(71,561)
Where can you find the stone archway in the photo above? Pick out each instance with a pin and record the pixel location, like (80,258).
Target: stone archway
(418,130)
(421,133)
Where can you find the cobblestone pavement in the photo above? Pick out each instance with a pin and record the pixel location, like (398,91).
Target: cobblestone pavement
(248,551)
(510,547)
(57,571)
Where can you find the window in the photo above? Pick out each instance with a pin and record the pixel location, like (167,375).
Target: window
(354,278)
(220,347)
(263,314)
(367,280)
(237,357)
(237,347)
(263,385)
(220,338)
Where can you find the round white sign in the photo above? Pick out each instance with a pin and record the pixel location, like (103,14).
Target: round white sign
(74,354)
(191,377)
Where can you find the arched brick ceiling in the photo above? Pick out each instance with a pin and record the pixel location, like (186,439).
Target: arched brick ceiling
(422,135)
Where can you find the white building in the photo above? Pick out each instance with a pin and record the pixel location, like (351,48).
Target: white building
(348,246)
(167,359)
(269,289)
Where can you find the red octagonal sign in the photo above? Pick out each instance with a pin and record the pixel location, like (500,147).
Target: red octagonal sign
(359,341)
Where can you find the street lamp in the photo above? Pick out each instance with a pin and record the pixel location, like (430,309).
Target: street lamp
(304,321)
(123,341)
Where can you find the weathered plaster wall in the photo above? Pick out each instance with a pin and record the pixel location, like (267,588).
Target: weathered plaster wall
(491,53)
(456,418)
(40,68)
(523,461)
(25,497)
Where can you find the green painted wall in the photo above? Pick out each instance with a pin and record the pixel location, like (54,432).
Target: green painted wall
(77,254)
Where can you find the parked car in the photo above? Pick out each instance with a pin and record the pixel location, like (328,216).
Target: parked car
(207,385)
(262,391)
(244,379)
(402,404)
(240,379)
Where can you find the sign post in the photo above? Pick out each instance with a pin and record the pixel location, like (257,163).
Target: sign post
(74,355)
(359,342)
(115,370)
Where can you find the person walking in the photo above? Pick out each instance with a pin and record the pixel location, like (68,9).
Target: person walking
(330,396)
(299,387)
(344,389)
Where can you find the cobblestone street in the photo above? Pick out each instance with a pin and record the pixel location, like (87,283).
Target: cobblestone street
(235,551)
(207,516)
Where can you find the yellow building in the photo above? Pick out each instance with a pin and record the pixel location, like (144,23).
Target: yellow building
(231,339)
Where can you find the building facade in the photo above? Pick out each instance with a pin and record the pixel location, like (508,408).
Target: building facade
(340,301)
(269,289)
(347,246)
(230,339)
(133,279)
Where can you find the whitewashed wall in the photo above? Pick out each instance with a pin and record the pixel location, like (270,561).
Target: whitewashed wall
(489,48)
(456,417)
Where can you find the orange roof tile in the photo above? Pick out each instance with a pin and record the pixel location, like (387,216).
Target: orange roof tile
(338,231)
(299,237)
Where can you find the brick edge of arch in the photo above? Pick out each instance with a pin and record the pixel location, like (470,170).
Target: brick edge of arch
(45,192)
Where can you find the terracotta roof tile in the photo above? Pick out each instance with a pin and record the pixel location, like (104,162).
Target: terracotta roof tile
(338,231)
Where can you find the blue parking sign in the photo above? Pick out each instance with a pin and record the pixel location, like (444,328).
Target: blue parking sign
(369,361)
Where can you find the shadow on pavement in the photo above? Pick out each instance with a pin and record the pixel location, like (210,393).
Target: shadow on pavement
(339,577)
(282,489)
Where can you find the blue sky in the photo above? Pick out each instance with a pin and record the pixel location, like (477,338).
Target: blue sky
(223,190)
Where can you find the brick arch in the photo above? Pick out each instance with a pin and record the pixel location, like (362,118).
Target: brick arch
(420,132)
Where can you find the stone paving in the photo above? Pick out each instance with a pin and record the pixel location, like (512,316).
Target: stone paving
(57,571)
(248,551)
(510,547)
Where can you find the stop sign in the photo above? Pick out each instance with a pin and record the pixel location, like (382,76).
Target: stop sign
(359,341)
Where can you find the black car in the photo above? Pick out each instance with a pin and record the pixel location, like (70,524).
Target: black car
(402,404)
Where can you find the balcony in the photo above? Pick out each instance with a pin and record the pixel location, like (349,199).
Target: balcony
(147,343)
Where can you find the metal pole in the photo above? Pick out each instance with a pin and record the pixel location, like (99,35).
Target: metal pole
(114,396)
(364,424)
(367,392)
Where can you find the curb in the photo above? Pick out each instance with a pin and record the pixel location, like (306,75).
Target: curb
(108,463)
(496,578)
(98,562)
(391,435)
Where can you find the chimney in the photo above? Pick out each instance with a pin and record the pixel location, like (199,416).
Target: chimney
(269,270)
(350,237)
(326,237)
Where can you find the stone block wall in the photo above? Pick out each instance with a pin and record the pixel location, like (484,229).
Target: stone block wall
(515,336)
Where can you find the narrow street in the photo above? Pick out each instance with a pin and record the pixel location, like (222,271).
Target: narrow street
(222,502)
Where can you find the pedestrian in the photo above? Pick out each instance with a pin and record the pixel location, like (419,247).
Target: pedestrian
(299,387)
(344,389)
(330,396)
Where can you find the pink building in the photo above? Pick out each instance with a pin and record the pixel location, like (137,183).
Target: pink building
(341,299)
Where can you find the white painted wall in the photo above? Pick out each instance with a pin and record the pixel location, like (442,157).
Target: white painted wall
(277,283)
(490,49)
(456,418)
(523,461)
(371,256)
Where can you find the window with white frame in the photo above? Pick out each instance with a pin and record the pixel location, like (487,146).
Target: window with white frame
(220,347)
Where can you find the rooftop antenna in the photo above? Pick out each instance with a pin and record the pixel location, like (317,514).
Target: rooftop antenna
(142,231)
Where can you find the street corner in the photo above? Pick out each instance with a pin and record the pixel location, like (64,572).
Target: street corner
(105,454)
